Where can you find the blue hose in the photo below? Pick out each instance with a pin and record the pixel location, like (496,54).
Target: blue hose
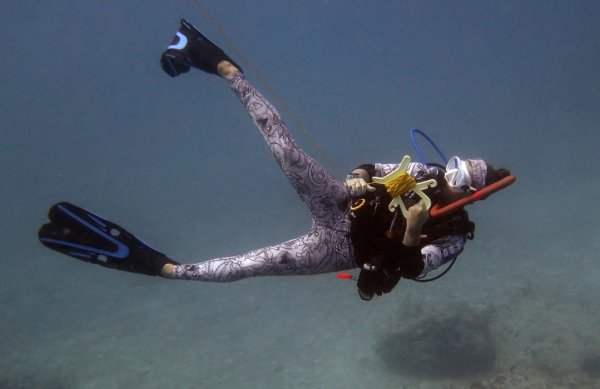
(418,150)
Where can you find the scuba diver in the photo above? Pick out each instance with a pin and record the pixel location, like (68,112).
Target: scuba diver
(354,222)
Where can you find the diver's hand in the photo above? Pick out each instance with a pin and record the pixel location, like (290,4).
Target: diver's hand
(417,216)
(358,186)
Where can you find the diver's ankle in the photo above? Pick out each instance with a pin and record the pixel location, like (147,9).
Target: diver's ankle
(168,270)
(227,70)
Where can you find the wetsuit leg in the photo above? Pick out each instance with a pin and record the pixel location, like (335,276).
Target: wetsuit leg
(319,251)
(326,247)
(326,198)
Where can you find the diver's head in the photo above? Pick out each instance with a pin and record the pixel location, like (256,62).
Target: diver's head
(464,177)
(471,175)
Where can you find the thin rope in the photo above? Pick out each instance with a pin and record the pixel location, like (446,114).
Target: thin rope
(279,102)
(402,184)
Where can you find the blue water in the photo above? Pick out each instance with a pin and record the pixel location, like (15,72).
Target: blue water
(88,116)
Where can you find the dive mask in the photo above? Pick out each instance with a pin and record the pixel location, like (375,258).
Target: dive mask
(457,175)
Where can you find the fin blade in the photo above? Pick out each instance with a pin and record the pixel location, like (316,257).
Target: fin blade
(88,237)
(79,233)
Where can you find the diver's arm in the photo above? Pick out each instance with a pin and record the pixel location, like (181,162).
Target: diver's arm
(412,237)
(442,250)
(383,169)
(417,216)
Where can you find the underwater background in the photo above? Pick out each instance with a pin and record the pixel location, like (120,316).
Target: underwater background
(88,116)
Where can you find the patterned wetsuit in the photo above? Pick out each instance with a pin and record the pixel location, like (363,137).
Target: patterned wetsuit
(326,247)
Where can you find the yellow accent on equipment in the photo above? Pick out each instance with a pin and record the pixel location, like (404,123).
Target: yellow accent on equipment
(398,182)
(358,205)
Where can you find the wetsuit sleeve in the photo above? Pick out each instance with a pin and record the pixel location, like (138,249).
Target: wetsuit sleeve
(383,169)
(442,250)
(415,168)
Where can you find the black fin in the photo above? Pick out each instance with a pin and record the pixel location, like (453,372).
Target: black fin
(190,47)
(88,237)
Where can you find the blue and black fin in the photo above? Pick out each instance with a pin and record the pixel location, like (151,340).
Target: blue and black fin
(88,237)
(191,48)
